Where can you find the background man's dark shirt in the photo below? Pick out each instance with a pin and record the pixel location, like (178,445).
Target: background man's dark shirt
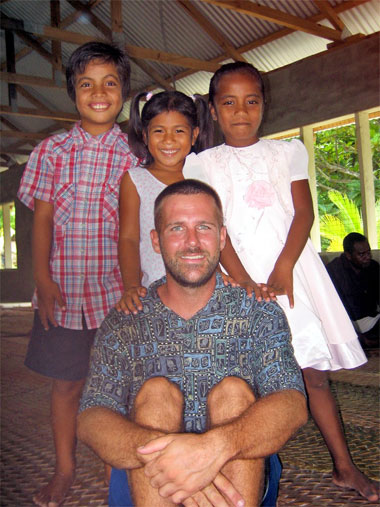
(357,288)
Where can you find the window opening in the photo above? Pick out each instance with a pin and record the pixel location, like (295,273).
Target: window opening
(8,249)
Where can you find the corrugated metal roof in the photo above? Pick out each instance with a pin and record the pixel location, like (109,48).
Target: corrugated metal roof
(163,25)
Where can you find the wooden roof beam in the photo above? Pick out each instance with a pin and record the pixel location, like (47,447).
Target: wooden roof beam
(107,32)
(325,7)
(349,4)
(35,113)
(53,33)
(211,30)
(6,151)
(25,79)
(278,17)
(27,50)
(55,18)
(9,124)
(35,136)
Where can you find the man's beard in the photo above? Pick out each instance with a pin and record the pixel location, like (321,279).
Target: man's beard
(174,269)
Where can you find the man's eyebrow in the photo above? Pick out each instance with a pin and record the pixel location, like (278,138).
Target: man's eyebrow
(200,222)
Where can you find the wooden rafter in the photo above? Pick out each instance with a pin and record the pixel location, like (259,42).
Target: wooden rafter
(27,50)
(143,54)
(9,124)
(325,7)
(53,33)
(35,136)
(35,113)
(210,29)
(24,79)
(116,17)
(14,152)
(55,18)
(278,17)
(349,4)
(107,32)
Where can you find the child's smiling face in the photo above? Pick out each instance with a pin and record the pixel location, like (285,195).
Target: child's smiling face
(98,96)
(238,108)
(169,138)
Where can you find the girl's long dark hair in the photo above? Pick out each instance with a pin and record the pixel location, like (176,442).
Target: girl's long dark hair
(195,110)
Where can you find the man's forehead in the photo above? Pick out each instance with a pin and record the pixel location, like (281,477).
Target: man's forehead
(361,246)
(177,204)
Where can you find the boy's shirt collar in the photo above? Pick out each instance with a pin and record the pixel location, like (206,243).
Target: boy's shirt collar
(82,137)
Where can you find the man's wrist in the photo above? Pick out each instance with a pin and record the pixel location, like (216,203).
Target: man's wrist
(219,442)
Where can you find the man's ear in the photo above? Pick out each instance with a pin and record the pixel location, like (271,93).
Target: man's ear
(155,241)
(223,237)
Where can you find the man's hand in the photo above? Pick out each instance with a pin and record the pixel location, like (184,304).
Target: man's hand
(216,494)
(186,464)
(48,293)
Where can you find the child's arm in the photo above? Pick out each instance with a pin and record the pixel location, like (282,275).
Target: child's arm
(129,247)
(231,263)
(48,292)
(281,277)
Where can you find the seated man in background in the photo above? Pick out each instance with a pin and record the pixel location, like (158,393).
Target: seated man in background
(356,278)
(193,392)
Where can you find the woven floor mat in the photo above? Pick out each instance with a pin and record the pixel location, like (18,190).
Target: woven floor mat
(308,487)
(27,455)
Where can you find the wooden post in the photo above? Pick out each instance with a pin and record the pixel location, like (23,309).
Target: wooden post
(55,20)
(307,137)
(366,177)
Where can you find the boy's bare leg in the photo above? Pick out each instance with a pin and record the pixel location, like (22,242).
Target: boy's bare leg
(65,396)
(158,405)
(325,414)
(226,401)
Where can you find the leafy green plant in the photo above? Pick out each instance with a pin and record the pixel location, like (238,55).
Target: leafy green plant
(347,218)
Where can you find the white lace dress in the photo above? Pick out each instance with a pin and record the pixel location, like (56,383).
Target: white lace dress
(254,184)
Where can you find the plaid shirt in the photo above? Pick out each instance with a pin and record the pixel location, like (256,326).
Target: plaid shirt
(80,175)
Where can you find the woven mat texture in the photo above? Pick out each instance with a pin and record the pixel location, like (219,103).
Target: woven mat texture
(27,456)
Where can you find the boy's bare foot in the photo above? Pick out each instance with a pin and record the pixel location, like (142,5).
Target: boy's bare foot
(353,478)
(54,493)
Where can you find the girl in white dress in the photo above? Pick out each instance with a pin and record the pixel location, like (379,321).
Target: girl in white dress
(268,210)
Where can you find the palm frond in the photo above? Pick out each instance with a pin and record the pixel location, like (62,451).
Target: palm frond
(349,213)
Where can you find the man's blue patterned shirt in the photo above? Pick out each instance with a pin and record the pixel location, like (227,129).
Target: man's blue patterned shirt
(233,335)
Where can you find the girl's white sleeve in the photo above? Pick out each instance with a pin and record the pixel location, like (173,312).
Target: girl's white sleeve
(298,160)
(194,168)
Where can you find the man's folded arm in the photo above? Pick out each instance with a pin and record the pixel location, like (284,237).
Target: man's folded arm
(113,437)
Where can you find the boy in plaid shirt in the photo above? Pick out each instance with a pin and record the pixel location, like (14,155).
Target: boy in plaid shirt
(72,182)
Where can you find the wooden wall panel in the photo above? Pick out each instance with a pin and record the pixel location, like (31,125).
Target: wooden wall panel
(341,81)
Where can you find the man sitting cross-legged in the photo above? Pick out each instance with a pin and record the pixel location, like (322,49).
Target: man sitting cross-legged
(193,392)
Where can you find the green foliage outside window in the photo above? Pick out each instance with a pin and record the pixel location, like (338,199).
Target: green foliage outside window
(12,232)
(338,183)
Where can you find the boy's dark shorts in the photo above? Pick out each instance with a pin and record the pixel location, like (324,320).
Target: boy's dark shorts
(59,353)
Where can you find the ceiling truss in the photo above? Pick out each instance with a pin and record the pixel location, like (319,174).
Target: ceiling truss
(58,32)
